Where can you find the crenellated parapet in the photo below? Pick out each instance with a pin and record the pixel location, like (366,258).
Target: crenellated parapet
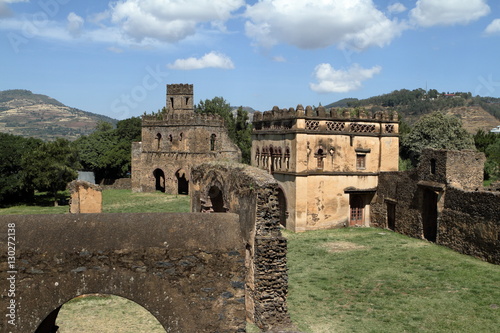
(326,120)
(190,119)
(180,89)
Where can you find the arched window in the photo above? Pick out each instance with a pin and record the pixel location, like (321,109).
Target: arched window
(287,158)
(158,141)
(319,156)
(180,137)
(257,156)
(212,142)
(170,138)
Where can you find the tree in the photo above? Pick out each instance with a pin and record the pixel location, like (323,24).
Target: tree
(492,166)
(438,131)
(51,166)
(107,151)
(218,105)
(12,148)
(243,134)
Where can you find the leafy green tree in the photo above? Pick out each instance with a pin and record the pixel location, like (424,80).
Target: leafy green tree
(12,148)
(218,105)
(435,130)
(51,166)
(243,134)
(492,166)
(107,151)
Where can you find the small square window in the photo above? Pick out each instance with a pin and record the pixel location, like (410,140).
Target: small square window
(360,161)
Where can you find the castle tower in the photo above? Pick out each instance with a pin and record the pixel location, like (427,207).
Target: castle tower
(179,99)
(327,162)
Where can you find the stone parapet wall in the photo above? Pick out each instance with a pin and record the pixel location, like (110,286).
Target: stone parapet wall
(182,120)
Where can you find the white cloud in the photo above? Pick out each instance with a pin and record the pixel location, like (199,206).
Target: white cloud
(310,24)
(170,20)
(209,60)
(493,28)
(340,80)
(396,8)
(75,24)
(279,59)
(448,12)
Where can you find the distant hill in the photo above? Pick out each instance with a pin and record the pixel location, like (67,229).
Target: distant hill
(33,115)
(475,112)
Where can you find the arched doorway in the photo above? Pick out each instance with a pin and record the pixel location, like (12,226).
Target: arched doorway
(217,198)
(116,314)
(159,180)
(182,182)
(283,207)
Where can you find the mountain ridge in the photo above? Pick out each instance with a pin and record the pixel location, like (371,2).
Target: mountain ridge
(27,114)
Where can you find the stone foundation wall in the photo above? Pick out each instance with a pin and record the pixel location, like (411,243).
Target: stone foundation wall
(190,278)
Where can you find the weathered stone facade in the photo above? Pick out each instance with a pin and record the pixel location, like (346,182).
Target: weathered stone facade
(173,142)
(191,279)
(443,201)
(85,197)
(327,162)
(254,195)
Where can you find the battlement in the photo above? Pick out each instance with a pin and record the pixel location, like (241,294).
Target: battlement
(321,113)
(180,89)
(189,119)
(331,120)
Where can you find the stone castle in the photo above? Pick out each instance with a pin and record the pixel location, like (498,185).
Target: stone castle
(176,140)
(327,162)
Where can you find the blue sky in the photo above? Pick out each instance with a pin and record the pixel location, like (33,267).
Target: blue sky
(115,57)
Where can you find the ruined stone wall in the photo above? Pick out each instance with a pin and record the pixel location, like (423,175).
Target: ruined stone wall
(253,194)
(85,197)
(190,278)
(470,223)
(401,189)
(461,168)
(172,146)
(467,221)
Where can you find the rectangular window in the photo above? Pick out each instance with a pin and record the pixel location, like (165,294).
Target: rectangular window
(361,161)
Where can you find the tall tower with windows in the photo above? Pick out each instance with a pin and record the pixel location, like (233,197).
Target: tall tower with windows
(176,140)
(180,99)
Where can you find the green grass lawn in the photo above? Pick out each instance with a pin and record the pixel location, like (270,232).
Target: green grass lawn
(116,201)
(343,280)
(372,280)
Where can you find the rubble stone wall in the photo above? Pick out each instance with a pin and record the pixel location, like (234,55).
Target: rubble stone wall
(190,278)
(253,194)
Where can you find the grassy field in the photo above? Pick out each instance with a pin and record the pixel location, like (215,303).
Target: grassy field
(115,201)
(344,280)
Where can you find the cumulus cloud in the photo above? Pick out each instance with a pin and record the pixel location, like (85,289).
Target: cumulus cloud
(209,60)
(341,80)
(493,28)
(169,20)
(448,12)
(311,24)
(396,8)
(75,24)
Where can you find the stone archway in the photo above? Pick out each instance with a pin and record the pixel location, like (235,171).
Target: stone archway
(217,199)
(182,182)
(115,313)
(64,256)
(159,176)
(283,206)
